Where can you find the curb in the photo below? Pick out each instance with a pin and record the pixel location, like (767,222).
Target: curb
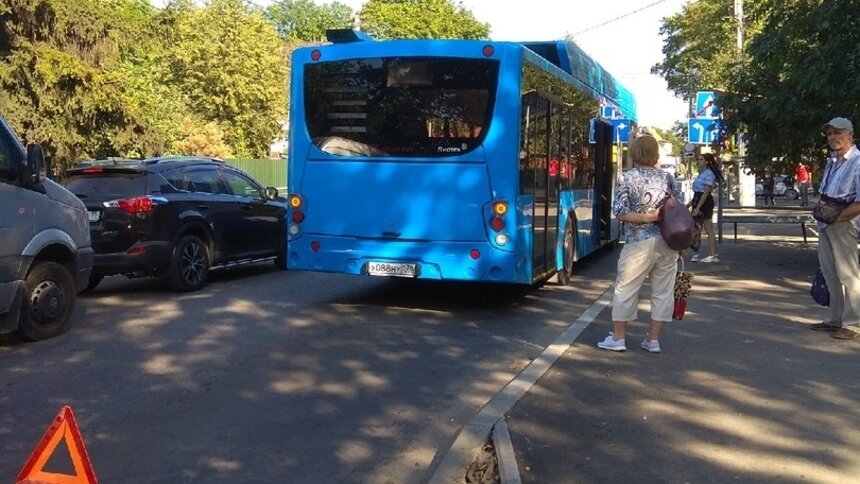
(509,472)
(475,433)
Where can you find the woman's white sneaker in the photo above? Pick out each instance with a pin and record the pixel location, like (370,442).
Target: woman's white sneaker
(710,259)
(612,344)
(651,346)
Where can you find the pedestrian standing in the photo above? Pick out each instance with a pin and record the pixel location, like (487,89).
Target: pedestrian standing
(801,175)
(768,184)
(837,242)
(637,202)
(702,205)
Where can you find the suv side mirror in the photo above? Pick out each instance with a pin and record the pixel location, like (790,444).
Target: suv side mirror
(271,193)
(35,164)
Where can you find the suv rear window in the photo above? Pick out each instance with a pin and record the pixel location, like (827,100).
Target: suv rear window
(400,106)
(107,186)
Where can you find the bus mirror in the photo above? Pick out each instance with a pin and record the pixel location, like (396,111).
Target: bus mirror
(35,164)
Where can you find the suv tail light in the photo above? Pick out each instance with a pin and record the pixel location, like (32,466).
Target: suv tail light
(133,205)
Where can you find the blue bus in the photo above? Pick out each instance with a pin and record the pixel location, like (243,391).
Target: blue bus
(450,159)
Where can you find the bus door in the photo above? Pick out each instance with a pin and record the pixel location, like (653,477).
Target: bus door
(539,153)
(603,172)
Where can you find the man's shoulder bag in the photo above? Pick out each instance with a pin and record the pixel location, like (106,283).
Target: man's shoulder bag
(828,208)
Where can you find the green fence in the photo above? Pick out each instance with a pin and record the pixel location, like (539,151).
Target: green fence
(270,173)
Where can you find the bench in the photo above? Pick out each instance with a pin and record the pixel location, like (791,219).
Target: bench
(806,222)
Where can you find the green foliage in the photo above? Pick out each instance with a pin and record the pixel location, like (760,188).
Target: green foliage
(419,19)
(228,63)
(803,71)
(61,80)
(799,68)
(201,139)
(305,20)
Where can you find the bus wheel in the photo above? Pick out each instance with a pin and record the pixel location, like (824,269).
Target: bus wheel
(568,246)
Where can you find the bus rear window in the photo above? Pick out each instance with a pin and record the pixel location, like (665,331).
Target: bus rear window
(400,106)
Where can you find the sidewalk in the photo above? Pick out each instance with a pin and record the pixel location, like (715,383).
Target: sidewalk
(743,391)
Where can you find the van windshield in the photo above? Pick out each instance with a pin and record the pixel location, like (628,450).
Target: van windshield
(399,106)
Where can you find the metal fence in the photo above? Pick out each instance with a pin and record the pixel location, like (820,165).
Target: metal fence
(270,173)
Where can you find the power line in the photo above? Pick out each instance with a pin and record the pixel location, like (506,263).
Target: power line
(616,18)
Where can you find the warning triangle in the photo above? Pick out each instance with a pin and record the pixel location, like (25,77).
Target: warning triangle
(62,428)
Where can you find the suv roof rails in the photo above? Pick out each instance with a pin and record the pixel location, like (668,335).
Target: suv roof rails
(110,161)
(180,158)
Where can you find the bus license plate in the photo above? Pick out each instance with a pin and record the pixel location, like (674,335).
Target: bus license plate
(390,269)
(94,215)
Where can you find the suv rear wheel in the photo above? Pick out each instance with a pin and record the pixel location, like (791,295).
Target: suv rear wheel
(189,264)
(49,297)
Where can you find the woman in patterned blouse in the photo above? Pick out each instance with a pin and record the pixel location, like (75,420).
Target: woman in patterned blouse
(638,199)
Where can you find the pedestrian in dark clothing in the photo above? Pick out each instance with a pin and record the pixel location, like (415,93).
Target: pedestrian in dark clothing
(768,184)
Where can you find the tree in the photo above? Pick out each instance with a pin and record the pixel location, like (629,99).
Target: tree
(419,19)
(63,74)
(228,63)
(305,20)
(802,71)
(798,69)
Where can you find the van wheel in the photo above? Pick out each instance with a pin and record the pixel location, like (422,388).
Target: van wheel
(49,298)
(568,246)
(95,280)
(189,264)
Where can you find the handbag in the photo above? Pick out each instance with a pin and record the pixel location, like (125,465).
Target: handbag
(683,285)
(819,291)
(697,234)
(676,223)
(828,208)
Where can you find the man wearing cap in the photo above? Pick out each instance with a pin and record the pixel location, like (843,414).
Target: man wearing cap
(837,243)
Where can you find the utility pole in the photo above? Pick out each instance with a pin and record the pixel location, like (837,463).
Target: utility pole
(739,18)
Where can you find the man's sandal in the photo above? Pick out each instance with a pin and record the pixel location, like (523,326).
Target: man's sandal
(823,327)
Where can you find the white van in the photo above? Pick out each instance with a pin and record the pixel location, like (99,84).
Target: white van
(45,251)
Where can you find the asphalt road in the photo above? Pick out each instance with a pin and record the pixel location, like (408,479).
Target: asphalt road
(268,376)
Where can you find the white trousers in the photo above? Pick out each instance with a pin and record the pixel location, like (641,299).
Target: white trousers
(646,258)
(837,253)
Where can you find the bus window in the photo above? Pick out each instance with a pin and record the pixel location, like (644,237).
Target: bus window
(400,106)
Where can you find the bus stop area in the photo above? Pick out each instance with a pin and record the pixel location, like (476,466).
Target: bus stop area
(742,392)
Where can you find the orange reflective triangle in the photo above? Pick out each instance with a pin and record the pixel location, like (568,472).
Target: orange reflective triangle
(63,427)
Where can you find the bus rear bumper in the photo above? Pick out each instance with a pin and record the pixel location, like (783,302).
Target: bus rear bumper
(439,260)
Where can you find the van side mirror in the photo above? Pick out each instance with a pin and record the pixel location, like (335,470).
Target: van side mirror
(35,164)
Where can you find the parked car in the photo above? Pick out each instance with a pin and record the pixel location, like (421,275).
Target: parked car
(784,187)
(176,217)
(45,252)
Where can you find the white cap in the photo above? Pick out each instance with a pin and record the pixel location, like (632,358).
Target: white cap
(840,123)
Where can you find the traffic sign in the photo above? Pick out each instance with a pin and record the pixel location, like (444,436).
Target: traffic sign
(609,112)
(706,106)
(621,130)
(704,131)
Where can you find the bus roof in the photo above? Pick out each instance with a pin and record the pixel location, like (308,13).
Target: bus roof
(570,58)
(564,54)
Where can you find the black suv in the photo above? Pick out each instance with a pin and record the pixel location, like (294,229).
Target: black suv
(176,217)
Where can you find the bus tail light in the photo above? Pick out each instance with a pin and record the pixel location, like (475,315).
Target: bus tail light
(498,223)
(297,216)
(475,254)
